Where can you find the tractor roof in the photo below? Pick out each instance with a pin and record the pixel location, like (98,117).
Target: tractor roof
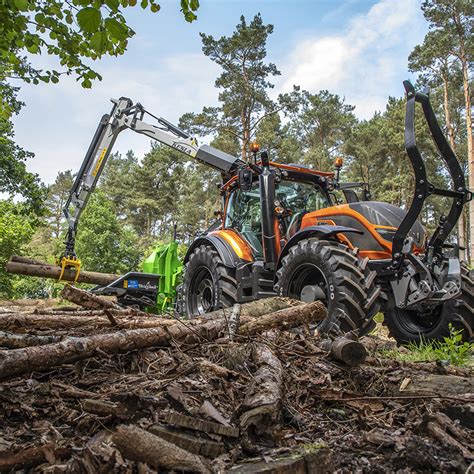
(294,171)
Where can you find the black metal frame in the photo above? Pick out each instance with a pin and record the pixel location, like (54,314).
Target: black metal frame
(423,189)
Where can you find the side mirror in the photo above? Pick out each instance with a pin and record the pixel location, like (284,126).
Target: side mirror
(245,179)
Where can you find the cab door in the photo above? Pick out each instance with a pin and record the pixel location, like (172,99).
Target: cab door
(243,215)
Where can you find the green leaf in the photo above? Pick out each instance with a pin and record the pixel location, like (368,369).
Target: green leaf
(144,3)
(190,17)
(89,19)
(116,29)
(155,7)
(22,5)
(98,42)
(113,4)
(86,83)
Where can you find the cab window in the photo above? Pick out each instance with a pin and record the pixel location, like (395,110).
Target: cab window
(243,215)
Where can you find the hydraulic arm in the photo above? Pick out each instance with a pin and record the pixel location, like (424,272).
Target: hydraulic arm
(126,115)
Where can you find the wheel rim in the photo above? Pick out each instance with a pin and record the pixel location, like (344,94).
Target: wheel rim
(419,322)
(201,292)
(308,277)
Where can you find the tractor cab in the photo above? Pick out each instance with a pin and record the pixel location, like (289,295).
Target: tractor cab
(297,192)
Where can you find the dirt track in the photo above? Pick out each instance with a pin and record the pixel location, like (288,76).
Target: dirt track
(329,416)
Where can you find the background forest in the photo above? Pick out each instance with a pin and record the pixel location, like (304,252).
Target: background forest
(140,199)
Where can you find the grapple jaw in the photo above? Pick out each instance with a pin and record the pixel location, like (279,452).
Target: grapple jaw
(426,279)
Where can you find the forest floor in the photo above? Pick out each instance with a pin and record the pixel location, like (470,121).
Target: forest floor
(385,415)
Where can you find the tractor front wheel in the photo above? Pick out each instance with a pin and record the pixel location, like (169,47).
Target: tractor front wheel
(332,273)
(208,285)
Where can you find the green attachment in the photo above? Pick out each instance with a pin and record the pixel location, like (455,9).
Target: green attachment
(164,261)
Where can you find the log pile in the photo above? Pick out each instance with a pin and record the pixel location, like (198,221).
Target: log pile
(98,388)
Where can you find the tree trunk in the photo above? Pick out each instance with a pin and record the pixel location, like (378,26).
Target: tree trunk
(53,271)
(140,445)
(450,129)
(470,150)
(39,358)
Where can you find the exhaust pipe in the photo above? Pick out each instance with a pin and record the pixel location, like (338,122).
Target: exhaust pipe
(267,196)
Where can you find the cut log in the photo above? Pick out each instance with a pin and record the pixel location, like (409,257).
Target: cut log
(86,299)
(345,350)
(38,358)
(435,384)
(255,308)
(140,445)
(196,424)
(193,444)
(27,260)
(18,322)
(17,341)
(318,461)
(284,318)
(260,409)
(125,319)
(30,457)
(53,271)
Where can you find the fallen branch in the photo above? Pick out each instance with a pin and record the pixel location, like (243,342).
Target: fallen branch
(86,299)
(283,319)
(39,358)
(261,407)
(140,445)
(27,458)
(17,341)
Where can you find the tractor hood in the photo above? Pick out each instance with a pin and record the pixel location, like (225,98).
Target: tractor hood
(384,214)
(380,216)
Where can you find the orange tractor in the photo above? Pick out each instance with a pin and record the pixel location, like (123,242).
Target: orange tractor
(282,231)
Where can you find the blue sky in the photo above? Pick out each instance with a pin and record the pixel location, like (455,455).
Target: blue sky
(356,48)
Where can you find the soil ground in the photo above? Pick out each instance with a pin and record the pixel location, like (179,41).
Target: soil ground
(384,416)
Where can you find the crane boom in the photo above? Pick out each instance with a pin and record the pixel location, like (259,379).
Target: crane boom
(127,115)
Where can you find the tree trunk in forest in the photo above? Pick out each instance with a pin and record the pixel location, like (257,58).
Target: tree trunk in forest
(53,271)
(38,358)
(470,151)
(450,129)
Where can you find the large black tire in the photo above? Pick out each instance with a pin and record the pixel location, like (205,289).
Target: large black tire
(348,290)
(407,326)
(208,284)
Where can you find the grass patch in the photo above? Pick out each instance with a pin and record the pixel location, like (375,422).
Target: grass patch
(451,350)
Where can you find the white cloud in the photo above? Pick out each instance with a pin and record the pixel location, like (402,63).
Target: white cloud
(59,121)
(365,62)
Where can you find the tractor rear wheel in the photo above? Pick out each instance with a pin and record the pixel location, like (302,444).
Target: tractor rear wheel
(208,285)
(329,271)
(407,326)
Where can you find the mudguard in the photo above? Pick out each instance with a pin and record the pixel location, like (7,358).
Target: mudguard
(321,231)
(225,251)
